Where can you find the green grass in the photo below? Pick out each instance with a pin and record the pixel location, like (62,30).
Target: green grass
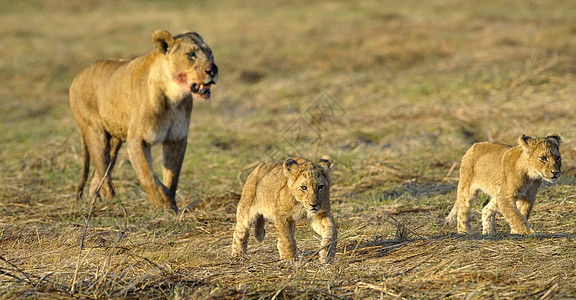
(410,85)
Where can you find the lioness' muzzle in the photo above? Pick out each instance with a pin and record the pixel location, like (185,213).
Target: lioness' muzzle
(203,89)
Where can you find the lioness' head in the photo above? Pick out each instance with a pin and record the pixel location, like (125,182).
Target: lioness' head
(190,61)
(310,182)
(544,155)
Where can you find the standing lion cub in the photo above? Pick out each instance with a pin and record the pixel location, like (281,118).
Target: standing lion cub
(142,102)
(285,193)
(511,177)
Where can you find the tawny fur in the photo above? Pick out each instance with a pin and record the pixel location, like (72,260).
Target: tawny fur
(143,102)
(285,193)
(510,176)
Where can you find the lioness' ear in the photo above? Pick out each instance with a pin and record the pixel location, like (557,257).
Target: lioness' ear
(291,167)
(526,142)
(555,138)
(162,40)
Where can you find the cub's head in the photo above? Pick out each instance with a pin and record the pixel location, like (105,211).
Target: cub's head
(544,158)
(190,62)
(310,182)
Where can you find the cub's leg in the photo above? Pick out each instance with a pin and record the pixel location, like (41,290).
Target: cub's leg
(451,218)
(259,231)
(286,242)
(489,217)
(463,203)
(244,219)
(241,234)
(464,195)
(98,144)
(141,158)
(526,203)
(516,220)
(325,226)
(172,158)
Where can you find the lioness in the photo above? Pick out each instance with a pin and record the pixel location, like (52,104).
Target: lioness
(143,102)
(285,193)
(511,177)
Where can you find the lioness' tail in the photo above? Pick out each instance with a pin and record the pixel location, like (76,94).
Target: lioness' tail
(85,169)
(451,218)
(259,231)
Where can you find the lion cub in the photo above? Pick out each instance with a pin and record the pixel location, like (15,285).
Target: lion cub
(511,177)
(285,193)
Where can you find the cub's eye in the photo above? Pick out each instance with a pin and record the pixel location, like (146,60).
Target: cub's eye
(303,187)
(320,187)
(543,158)
(191,55)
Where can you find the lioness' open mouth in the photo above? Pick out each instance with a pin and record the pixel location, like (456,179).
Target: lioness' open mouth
(200,89)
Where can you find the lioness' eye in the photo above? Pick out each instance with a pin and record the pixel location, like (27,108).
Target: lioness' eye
(320,187)
(543,158)
(559,158)
(192,55)
(303,187)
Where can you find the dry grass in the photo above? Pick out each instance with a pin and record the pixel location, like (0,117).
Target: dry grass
(395,91)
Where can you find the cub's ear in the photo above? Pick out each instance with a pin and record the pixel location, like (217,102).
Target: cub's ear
(555,138)
(326,162)
(163,40)
(291,167)
(526,142)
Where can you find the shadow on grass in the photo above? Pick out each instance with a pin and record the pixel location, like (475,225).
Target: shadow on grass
(361,251)
(417,189)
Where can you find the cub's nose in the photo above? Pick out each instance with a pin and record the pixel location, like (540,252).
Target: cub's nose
(555,173)
(212,70)
(314,205)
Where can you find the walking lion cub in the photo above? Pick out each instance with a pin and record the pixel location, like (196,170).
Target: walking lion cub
(511,177)
(285,193)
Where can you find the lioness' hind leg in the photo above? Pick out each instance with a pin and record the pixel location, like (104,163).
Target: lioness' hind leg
(98,144)
(259,231)
(115,144)
(489,217)
(85,169)
(326,227)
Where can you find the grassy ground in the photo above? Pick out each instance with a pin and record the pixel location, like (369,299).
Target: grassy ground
(395,91)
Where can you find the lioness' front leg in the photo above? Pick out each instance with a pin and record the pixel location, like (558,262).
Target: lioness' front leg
(141,158)
(326,227)
(172,158)
(516,220)
(286,242)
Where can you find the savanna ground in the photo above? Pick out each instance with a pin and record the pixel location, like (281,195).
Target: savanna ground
(394,91)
